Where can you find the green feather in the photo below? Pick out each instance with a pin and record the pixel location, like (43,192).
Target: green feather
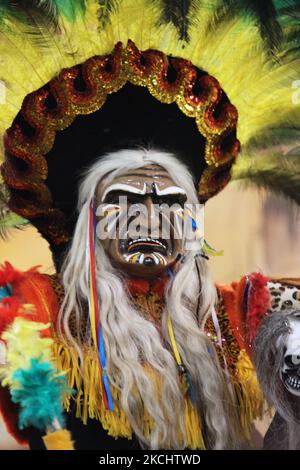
(4,6)
(70,9)
(287,7)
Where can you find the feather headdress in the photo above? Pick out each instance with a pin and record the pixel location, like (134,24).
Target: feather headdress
(251,47)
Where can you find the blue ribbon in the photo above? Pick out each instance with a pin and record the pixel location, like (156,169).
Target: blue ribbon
(194,225)
(103,366)
(170,274)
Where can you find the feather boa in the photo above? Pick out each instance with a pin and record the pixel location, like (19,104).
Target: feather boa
(35,385)
(33,382)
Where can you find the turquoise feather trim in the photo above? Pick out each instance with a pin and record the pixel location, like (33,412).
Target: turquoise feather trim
(5,291)
(39,393)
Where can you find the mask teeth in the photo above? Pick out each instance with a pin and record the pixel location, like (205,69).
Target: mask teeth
(138,258)
(161,259)
(293,382)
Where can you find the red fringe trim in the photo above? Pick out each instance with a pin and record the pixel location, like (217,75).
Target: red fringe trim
(258,304)
(231,298)
(245,315)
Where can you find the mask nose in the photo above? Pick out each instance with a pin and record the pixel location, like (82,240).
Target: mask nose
(152,218)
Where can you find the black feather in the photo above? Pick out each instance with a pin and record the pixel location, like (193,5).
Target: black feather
(272,160)
(38,20)
(266,15)
(28,11)
(291,46)
(178,13)
(263,13)
(106,8)
(275,180)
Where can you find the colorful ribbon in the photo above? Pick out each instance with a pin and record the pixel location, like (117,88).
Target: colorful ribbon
(94,312)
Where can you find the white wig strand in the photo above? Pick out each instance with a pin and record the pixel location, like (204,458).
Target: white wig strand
(197,352)
(127,349)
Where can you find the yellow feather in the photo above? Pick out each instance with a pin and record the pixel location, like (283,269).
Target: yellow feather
(23,342)
(59,440)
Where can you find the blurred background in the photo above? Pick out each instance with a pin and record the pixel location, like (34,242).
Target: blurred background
(257,231)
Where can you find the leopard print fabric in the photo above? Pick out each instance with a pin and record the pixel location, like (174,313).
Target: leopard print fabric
(73,325)
(283,297)
(231,348)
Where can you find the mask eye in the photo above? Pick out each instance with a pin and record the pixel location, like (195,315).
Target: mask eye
(134,199)
(112,198)
(295,359)
(292,360)
(177,200)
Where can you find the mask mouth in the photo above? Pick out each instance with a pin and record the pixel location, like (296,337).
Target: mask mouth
(292,382)
(147,245)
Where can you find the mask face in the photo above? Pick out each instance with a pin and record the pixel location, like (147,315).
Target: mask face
(138,217)
(290,371)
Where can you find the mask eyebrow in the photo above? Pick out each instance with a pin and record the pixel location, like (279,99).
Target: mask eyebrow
(170,190)
(124,187)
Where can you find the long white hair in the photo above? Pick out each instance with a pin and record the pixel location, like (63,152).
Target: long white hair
(132,341)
